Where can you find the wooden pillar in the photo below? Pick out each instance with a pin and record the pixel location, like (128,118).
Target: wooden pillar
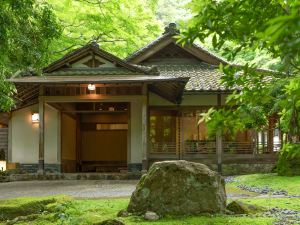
(181,146)
(263,142)
(271,135)
(41,165)
(219,150)
(145,122)
(254,142)
(78,143)
(219,142)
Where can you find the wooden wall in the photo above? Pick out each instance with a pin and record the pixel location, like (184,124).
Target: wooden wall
(103,145)
(68,143)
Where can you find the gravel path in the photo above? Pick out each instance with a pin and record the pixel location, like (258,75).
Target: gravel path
(89,189)
(74,188)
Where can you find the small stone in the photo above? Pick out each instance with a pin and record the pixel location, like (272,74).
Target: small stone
(152,216)
(238,207)
(122,213)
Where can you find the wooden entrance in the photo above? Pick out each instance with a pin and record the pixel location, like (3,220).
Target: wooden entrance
(95,140)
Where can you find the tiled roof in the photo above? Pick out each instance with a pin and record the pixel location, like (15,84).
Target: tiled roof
(148,46)
(203,77)
(170,34)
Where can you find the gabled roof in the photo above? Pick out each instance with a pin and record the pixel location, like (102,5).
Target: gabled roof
(175,60)
(62,66)
(168,37)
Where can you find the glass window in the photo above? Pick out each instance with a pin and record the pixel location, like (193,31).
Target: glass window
(162,126)
(192,131)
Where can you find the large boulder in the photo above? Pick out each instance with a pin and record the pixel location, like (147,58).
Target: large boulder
(179,187)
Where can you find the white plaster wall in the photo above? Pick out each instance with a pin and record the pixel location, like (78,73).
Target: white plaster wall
(199,100)
(136,129)
(25,135)
(187,100)
(155,100)
(51,135)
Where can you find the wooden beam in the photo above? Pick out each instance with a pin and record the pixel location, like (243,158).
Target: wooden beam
(95,98)
(145,127)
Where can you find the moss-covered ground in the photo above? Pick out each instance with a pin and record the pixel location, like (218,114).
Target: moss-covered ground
(64,210)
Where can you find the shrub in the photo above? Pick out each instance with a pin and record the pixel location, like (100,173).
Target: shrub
(289,160)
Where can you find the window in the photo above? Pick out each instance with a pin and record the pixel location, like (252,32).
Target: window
(162,126)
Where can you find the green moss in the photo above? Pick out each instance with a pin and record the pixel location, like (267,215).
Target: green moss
(239,207)
(10,209)
(90,212)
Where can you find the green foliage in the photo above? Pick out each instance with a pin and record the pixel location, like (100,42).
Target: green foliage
(26,30)
(119,26)
(169,11)
(290,108)
(289,160)
(255,24)
(237,26)
(223,120)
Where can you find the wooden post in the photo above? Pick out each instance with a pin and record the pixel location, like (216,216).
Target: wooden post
(181,146)
(271,135)
(254,142)
(263,142)
(145,123)
(41,165)
(78,143)
(219,150)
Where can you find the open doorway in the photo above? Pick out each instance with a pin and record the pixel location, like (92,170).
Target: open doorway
(94,137)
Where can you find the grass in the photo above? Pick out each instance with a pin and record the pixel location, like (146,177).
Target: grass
(75,212)
(290,184)
(65,210)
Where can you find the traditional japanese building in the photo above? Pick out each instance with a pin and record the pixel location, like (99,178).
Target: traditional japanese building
(91,111)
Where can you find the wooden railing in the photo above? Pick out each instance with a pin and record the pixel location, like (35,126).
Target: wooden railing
(238,147)
(202,147)
(263,147)
(163,148)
